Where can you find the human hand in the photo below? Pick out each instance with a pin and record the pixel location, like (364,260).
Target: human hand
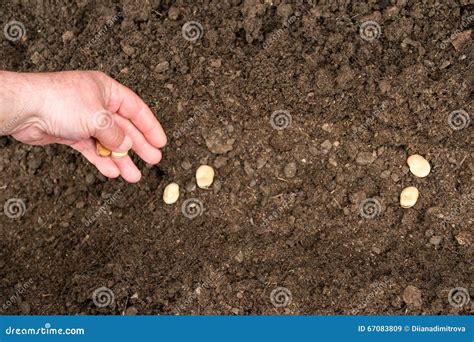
(75,108)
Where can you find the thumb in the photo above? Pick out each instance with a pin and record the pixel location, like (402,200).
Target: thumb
(109,134)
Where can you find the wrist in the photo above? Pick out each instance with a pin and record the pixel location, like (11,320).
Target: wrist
(19,101)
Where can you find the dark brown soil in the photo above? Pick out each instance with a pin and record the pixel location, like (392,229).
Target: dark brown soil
(262,227)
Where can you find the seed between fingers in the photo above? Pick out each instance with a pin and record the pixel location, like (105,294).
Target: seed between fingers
(105,152)
(101,150)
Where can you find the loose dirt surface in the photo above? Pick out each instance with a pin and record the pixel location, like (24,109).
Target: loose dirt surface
(284,229)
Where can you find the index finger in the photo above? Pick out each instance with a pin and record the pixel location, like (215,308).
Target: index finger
(129,105)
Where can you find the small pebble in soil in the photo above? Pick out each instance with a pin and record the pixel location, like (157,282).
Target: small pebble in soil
(190,186)
(419,166)
(290,170)
(131,311)
(412,296)
(376,250)
(173,13)
(463,238)
(385,174)
(436,240)
(395,177)
(261,163)
(409,197)
(365,158)
(220,161)
(67,36)
(327,127)
(162,67)
(217,186)
(204,176)
(34,164)
(186,165)
(332,161)
(128,50)
(171,193)
(429,233)
(239,257)
(248,168)
(90,179)
(326,146)
(218,141)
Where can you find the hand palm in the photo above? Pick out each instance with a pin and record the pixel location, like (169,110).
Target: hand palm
(78,107)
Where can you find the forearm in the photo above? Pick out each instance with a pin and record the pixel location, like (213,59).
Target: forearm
(18,100)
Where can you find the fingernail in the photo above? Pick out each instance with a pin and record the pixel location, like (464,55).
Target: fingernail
(126,145)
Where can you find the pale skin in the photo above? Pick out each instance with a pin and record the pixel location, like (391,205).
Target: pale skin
(64,107)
